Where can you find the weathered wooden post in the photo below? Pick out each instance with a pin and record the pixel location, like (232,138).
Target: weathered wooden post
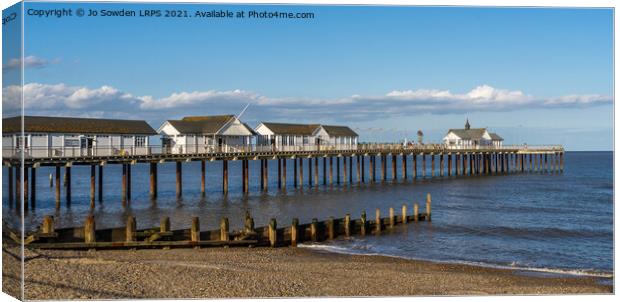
(164,224)
(530,170)
(129,182)
(273,232)
(363,223)
(89,229)
(415,166)
(377,220)
(295,172)
(416,214)
(330,228)
(11,192)
(325,171)
(358,167)
(33,187)
(316,171)
(202,177)
(394,174)
(507,162)
(100,185)
(153,180)
(294,232)
(428,206)
(279,173)
(284,173)
(561,161)
(449,164)
(432,164)
(371,168)
(68,185)
(225,177)
(344,167)
(310,172)
(331,171)
(124,185)
(246,177)
(347,225)
(48,225)
(392,222)
(465,156)
(224,226)
(266,175)
(195,230)
(130,229)
(363,168)
(423,165)
(262,174)
(441,164)
(403,218)
(57,187)
(179,183)
(249,223)
(350,170)
(92,185)
(314,230)
(338,169)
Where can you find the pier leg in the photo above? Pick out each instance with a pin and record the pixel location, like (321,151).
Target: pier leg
(363,223)
(279,173)
(377,221)
(373,168)
(262,174)
(423,165)
(284,173)
(363,168)
(57,187)
(33,187)
(246,178)
(471,163)
(266,176)
(457,158)
(10,188)
(93,170)
(316,171)
(129,182)
(325,171)
(416,214)
(310,172)
(179,175)
(464,164)
(562,162)
(432,165)
(392,217)
(195,229)
(124,185)
(337,170)
(153,180)
(100,184)
(540,163)
(68,185)
(301,172)
(89,229)
(535,162)
(344,166)
(350,170)
(383,167)
(441,165)
(428,206)
(347,225)
(449,164)
(26,199)
(295,172)
(273,236)
(403,168)
(415,166)
(403,216)
(294,232)
(546,165)
(394,174)
(225,177)
(358,167)
(203,172)
(507,162)
(331,171)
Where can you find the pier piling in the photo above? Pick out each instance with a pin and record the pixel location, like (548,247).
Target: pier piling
(130,229)
(179,179)
(89,229)
(57,187)
(224,227)
(294,232)
(347,225)
(273,232)
(195,230)
(377,220)
(428,206)
(415,212)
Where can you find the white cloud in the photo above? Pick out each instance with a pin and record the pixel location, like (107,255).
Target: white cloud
(29,62)
(109,101)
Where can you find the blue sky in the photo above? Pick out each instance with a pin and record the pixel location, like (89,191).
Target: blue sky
(532,75)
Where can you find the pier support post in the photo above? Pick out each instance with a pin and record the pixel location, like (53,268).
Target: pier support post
(48,225)
(382,167)
(295,172)
(404,166)
(279,173)
(324,171)
(416,214)
(284,174)
(301,173)
(57,177)
(294,232)
(378,221)
(68,185)
(403,218)
(153,180)
(310,172)
(266,175)
(11,192)
(344,166)
(331,171)
(129,182)
(89,229)
(262,174)
(530,155)
(471,163)
(540,162)
(415,166)
(546,165)
(371,167)
(441,164)
(124,185)
(179,183)
(225,177)
(359,170)
(329,225)
(338,169)
(392,217)
(464,157)
(25,187)
(203,172)
(92,185)
(507,162)
(314,230)
(449,164)
(100,185)
(316,171)
(432,164)
(273,232)
(457,167)
(535,162)
(33,187)
(423,165)
(394,174)
(246,177)
(351,170)
(347,225)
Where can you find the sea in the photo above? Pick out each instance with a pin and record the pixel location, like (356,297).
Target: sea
(540,222)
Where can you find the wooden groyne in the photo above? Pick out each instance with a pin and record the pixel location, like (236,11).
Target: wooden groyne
(128,237)
(451,163)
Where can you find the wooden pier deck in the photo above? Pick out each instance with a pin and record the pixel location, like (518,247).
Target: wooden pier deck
(451,162)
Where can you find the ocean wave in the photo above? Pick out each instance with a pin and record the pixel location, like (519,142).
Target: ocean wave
(369,250)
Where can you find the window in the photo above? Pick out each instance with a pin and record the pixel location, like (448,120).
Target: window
(305,140)
(140,141)
(71,142)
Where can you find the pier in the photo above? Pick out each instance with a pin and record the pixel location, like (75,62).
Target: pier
(479,161)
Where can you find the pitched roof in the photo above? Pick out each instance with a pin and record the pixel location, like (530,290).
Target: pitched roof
(339,130)
(48,124)
(495,137)
(201,124)
(291,129)
(474,134)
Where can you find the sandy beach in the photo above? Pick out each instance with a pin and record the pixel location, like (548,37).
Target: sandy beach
(263,272)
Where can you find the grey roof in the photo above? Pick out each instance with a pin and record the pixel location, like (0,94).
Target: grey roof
(495,137)
(201,124)
(339,131)
(291,129)
(75,125)
(473,134)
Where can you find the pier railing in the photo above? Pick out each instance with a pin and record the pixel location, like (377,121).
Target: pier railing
(60,152)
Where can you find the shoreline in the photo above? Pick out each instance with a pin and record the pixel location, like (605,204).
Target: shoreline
(266,272)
